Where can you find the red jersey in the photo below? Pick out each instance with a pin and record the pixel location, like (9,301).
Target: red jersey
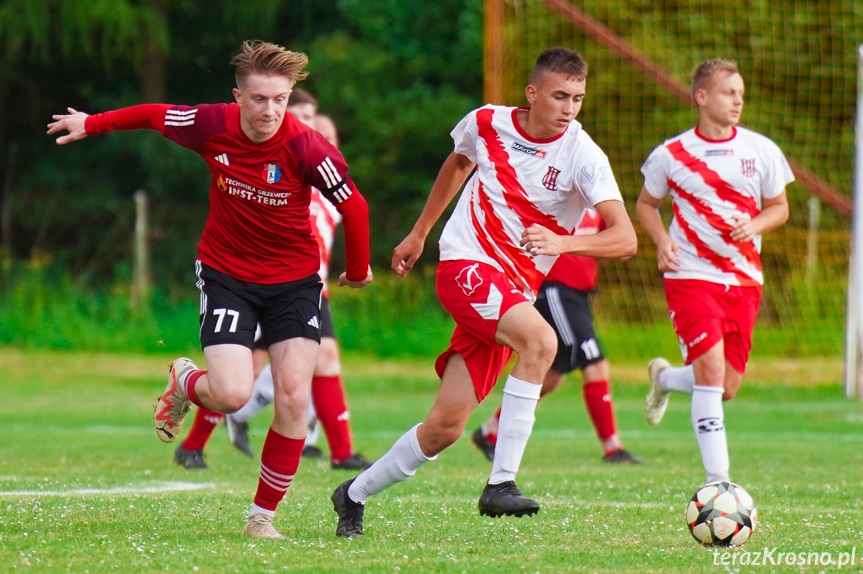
(258,229)
(576,271)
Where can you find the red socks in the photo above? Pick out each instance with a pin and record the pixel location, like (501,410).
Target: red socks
(328,396)
(279,461)
(597,398)
(189,387)
(202,428)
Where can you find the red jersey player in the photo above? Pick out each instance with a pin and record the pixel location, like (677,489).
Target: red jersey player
(328,397)
(536,173)
(727,186)
(564,301)
(258,258)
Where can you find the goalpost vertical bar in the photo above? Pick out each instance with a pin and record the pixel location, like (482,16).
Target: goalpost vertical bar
(853,333)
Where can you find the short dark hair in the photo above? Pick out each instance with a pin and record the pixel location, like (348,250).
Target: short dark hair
(562,60)
(300,96)
(702,77)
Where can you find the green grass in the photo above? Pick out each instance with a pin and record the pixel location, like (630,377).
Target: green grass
(85,484)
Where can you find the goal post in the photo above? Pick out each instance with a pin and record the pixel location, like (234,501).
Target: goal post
(853,325)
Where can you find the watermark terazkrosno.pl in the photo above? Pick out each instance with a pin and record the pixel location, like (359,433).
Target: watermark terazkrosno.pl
(776,557)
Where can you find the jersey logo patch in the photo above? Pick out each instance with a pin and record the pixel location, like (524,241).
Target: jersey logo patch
(747,167)
(718,152)
(528,150)
(314,322)
(272,173)
(550,178)
(468,279)
(222,158)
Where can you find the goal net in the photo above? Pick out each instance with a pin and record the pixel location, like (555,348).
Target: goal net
(798,59)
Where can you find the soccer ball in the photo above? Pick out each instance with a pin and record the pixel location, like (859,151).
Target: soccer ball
(721,514)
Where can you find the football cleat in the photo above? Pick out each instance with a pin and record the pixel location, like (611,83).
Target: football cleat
(261,526)
(483,444)
(505,499)
(353,462)
(238,434)
(621,456)
(350,512)
(311,451)
(191,459)
(657,398)
(172,407)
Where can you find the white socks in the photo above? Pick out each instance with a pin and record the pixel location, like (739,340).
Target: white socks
(516,421)
(398,464)
(262,395)
(313,428)
(678,379)
(707,420)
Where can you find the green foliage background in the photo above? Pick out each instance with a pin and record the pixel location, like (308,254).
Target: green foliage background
(396,76)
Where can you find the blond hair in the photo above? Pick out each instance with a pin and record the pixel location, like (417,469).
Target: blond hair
(703,74)
(257,57)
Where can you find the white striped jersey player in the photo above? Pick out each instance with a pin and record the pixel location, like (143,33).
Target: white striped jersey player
(325,218)
(520,181)
(710,182)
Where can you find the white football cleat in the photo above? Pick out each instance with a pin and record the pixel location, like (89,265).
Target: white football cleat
(171,408)
(657,398)
(261,526)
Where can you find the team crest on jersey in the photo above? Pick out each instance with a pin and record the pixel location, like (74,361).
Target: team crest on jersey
(550,178)
(272,173)
(528,150)
(468,279)
(747,167)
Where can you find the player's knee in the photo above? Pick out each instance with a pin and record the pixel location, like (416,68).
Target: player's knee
(233,401)
(543,346)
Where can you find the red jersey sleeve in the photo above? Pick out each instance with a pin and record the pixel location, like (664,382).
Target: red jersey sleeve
(355,220)
(191,127)
(145,116)
(320,163)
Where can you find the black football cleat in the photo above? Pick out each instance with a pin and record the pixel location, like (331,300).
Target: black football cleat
(483,444)
(311,451)
(191,459)
(505,499)
(238,434)
(350,512)
(353,462)
(621,456)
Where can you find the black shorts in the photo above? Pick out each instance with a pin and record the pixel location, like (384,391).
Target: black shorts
(231,309)
(567,310)
(327,329)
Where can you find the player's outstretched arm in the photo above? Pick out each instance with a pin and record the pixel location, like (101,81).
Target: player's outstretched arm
(647,211)
(73,122)
(449,181)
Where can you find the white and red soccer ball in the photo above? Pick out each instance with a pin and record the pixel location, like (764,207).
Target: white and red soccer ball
(721,514)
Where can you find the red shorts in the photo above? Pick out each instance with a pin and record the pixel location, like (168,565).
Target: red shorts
(476,295)
(704,313)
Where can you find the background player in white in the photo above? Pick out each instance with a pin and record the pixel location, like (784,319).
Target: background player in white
(536,173)
(727,186)
(258,259)
(564,302)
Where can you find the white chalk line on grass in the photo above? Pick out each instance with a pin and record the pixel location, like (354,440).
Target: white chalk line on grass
(141,489)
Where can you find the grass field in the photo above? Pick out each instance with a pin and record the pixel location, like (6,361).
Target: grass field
(85,486)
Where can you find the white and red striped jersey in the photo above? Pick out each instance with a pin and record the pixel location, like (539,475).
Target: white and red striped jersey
(577,271)
(325,218)
(710,182)
(520,181)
